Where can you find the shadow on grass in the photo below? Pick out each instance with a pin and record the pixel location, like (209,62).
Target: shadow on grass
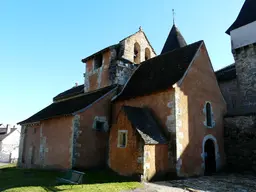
(13,177)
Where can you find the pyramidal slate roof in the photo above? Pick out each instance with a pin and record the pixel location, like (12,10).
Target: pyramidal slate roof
(247,15)
(159,73)
(175,40)
(144,122)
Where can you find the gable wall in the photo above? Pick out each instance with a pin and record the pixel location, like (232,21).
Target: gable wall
(11,142)
(128,43)
(51,141)
(90,145)
(128,160)
(199,85)
(163,106)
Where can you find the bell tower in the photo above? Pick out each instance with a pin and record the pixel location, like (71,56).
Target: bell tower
(243,42)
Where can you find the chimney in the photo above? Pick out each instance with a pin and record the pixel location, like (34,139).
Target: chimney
(76,84)
(8,129)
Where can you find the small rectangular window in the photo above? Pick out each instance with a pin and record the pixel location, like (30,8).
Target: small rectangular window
(34,130)
(122,138)
(99,126)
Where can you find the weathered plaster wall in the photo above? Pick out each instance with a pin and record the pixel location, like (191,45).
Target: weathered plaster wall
(50,142)
(97,78)
(229,90)
(128,160)
(30,137)
(246,69)
(163,106)
(155,161)
(91,145)
(198,86)
(240,143)
(128,43)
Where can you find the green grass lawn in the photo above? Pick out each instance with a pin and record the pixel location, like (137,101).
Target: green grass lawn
(14,179)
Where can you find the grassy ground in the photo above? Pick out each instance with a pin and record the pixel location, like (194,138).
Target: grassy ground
(14,179)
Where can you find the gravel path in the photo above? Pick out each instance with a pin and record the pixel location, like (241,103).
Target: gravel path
(219,183)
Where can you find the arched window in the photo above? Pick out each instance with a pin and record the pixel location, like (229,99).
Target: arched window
(136,56)
(208,108)
(147,54)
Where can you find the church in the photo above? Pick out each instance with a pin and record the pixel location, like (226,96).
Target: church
(144,114)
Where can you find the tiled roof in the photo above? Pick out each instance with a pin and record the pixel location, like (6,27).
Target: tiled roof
(174,40)
(68,107)
(160,72)
(226,74)
(143,121)
(70,92)
(247,15)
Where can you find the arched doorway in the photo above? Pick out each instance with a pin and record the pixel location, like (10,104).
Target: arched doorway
(210,158)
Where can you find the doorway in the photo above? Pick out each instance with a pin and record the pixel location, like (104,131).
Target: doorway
(210,159)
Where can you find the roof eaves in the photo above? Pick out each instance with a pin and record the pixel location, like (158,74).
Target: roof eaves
(82,110)
(191,62)
(101,51)
(226,67)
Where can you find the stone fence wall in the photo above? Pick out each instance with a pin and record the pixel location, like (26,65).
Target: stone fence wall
(240,143)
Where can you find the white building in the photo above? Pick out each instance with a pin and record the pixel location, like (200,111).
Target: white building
(9,143)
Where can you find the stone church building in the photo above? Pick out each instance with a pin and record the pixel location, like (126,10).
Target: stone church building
(145,114)
(238,86)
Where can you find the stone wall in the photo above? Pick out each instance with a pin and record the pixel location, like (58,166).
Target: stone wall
(246,69)
(129,43)
(240,143)
(123,72)
(230,91)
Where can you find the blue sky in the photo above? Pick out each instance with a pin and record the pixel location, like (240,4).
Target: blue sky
(42,42)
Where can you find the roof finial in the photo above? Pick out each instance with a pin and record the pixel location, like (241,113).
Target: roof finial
(140,28)
(173,15)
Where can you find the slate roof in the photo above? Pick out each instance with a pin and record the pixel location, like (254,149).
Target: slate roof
(247,15)
(175,40)
(68,107)
(70,92)
(226,74)
(159,73)
(116,46)
(101,51)
(144,122)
